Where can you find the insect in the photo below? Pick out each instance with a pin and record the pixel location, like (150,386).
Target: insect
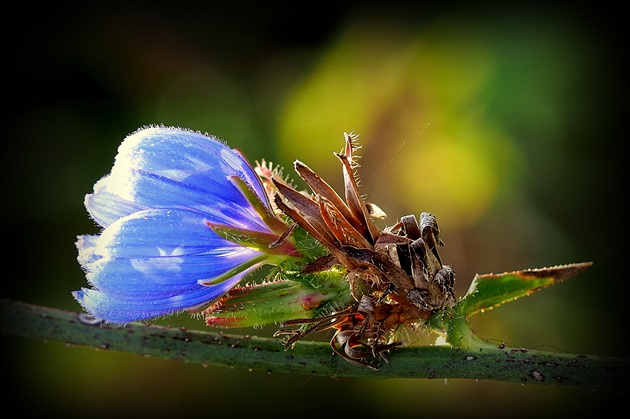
(396,274)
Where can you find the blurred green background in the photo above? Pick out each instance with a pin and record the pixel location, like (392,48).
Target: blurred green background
(503,121)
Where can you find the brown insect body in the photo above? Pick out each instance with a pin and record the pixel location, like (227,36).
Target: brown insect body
(396,275)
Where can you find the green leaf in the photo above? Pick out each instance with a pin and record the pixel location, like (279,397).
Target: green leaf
(490,290)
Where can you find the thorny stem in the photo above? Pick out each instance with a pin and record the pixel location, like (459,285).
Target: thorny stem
(472,360)
(454,326)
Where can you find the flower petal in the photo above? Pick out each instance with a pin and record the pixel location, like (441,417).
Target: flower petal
(105,207)
(159,252)
(123,310)
(86,244)
(162,167)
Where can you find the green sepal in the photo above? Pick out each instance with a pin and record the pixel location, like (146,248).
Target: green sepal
(254,262)
(270,220)
(308,245)
(258,240)
(277,301)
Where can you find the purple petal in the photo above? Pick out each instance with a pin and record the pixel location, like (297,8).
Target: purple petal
(119,310)
(157,251)
(151,263)
(163,167)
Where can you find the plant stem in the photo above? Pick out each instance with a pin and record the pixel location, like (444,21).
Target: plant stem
(314,358)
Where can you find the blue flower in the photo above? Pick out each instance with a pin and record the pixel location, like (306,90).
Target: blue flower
(169,192)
